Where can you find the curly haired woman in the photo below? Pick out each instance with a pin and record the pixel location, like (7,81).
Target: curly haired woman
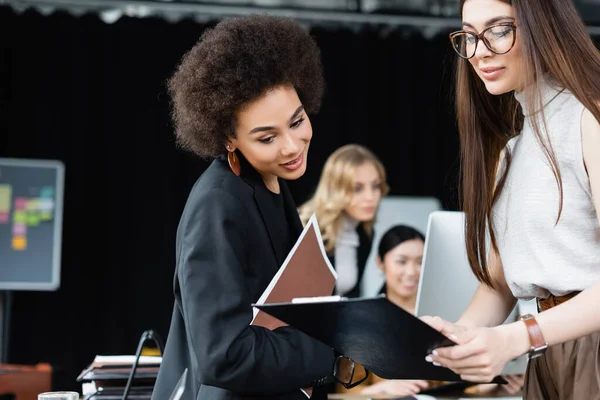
(242,96)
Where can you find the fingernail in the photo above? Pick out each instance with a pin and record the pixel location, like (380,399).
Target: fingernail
(428,359)
(437,364)
(435,353)
(453,337)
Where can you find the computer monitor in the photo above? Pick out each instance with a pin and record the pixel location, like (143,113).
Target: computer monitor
(31,207)
(447,283)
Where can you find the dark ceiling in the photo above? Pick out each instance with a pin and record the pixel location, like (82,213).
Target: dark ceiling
(349,10)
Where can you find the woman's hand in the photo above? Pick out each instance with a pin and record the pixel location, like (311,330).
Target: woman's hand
(514,386)
(481,353)
(515,383)
(399,388)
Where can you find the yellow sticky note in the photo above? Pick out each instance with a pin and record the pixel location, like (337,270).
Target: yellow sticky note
(33,219)
(19,243)
(33,205)
(5,197)
(45,216)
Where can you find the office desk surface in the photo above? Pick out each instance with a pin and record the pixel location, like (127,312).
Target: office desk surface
(419,397)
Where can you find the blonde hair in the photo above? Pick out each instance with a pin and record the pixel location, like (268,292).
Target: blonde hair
(336,188)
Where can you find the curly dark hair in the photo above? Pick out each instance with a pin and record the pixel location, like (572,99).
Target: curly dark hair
(233,64)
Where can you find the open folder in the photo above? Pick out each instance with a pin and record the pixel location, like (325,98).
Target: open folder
(306,272)
(387,340)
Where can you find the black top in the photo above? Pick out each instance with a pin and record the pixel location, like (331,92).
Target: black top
(286,236)
(228,249)
(365,242)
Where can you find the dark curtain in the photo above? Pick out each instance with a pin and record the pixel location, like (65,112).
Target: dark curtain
(93,95)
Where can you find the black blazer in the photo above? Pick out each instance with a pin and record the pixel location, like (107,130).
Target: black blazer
(225,260)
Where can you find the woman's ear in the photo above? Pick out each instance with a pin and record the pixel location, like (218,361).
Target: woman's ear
(230,144)
(379,262)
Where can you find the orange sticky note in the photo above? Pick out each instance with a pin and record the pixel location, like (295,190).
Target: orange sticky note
(19,243)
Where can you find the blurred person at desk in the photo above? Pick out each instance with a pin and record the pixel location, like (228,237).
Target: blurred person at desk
(399,257)
(345,204)
(242,96)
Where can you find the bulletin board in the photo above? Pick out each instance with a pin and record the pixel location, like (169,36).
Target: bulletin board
(31,210)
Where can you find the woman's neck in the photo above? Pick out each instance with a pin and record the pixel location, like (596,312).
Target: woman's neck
(271,182)
(406,303)
(348,223)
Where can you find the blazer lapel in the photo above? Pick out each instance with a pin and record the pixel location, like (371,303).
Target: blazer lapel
(265,205)
(269,214)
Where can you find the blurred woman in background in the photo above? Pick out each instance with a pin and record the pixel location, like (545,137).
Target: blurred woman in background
(345,203)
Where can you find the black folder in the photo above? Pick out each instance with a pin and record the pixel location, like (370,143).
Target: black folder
(387,340)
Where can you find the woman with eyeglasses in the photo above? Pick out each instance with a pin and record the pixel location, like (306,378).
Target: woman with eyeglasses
(527,103)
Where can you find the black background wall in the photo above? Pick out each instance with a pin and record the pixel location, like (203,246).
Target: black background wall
(93,95)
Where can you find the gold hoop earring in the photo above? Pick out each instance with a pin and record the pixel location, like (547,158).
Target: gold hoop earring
(234,162)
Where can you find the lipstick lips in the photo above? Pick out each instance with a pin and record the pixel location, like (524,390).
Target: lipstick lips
(491,73)
(295,163)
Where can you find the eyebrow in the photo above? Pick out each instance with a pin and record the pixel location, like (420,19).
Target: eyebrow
(490,21)
(271,128)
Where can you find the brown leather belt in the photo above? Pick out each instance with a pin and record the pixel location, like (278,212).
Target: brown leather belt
(553,301)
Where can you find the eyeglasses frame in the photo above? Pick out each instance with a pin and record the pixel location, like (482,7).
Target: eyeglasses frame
(480,37)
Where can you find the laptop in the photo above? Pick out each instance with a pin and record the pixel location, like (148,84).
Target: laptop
(447,283)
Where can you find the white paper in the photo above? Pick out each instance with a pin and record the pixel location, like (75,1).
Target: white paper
(128,359)
(319,299)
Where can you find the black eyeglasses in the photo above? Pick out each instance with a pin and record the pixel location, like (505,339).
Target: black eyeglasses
(341,368)
(499,39)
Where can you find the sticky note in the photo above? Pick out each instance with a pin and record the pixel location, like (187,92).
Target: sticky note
(19,242)
(20,217)
(33,219)
(47,192)
(5,195)
(45,216)
(46,204)
(32,205)
(19,229)
(20,203)
(4,217)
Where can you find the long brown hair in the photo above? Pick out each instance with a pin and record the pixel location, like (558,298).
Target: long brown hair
(554,44)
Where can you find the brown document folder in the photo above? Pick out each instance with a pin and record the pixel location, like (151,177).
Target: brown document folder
(306,272)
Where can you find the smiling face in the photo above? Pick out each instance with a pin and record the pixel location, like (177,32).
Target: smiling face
(501,73)
(402,268)
(273,133)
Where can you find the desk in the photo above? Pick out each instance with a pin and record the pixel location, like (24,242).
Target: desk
(419,397)
(25,382)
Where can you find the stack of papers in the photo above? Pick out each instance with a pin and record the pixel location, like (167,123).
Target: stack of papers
(105,378)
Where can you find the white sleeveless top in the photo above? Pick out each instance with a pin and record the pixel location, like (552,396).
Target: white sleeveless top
(539,257)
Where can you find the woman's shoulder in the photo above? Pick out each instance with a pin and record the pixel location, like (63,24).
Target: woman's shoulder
(217,189)
(218,178)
